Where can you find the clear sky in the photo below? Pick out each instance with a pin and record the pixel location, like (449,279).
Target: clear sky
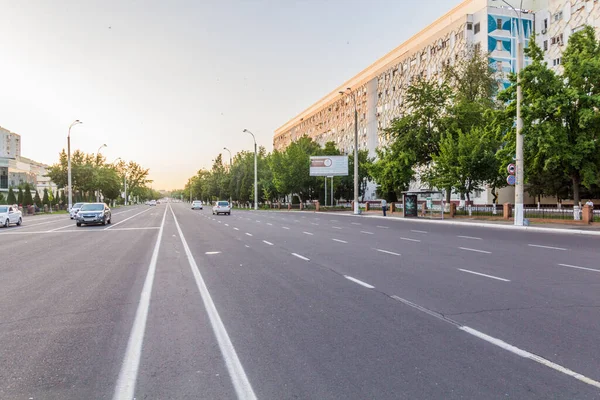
(170,83)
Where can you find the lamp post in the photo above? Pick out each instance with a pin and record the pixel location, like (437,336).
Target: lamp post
(225,148)
(255,172)
(353,95)
(70,189)
(124,182)
(97,162)
(520,162)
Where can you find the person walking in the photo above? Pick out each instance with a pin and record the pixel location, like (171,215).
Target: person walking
(384,207)
(590,203)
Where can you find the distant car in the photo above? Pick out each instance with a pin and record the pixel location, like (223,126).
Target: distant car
(75,209)
(94,213)
(152,203)
(10,215)
(221,207)
(197,204)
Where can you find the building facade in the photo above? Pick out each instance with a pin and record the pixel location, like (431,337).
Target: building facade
(489,26)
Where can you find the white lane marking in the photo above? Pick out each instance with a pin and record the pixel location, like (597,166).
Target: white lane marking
(238,376)
(339,240)
(125,387)
(469,237)
(296,220)
(546,247)
(410,240)
(525,354)
(249,234)
(226,224)
(258,221)
(355,223)
(480,274)
(300,257)
(576,267)
(336,227)
(270,224)
(387,252)
(416,231)
(475,250)
(212,252)
(307,233)
(136,229)
(359,282)
(236,229)
(333,220)
(367,233)
(383,227)
(128,218)
(247,246)
(269,243)
(285,227)
(219,221)
(62,227)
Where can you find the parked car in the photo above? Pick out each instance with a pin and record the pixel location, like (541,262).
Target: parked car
(75,209)
(221,207)
(10,215)
(94,213)
(197,204)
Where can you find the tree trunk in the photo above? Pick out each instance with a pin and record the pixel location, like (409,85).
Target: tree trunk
(448,195)
(576,184)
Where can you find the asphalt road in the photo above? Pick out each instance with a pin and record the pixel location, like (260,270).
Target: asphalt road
(170,303)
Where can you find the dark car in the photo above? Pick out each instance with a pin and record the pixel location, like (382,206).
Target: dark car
(93,213)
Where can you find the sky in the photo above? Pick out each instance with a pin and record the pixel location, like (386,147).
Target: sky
(168,84)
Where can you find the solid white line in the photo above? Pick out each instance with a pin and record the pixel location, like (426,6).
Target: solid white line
(249,234)
(237,229)
(367,233)
(300,257)
(525,354)
(136,229)
(125,387)
(212,252)
(336,227)
(62,227)
(269,243)
(475,250)
(546,247)
(307,233)
(359,282)
(387,252)
(238,376)
(383,227)
(480,274)
(339,241)
(285,227)
(128,218)
(584,268)
(416,231)
(410,240)
(469,237)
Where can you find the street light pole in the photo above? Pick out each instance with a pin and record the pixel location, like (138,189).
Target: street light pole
(520,162)
(70,189)
(255,172)
(225,148)
(353,95)
(98,159)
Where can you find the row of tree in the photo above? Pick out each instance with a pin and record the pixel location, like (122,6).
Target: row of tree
(456,133)
(24,197)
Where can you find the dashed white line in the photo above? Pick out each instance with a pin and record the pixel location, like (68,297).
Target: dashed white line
(469,237)
(226,224)
(355,223)
(365,284)
(269,243)
(248,234)
(128,218)
(547,247)
(285,227)
(480,274)
(387,252)
(62,227)
(212,252)
(339,240)
(367,233)
(236,229)
(475,250)
(410,240)
(576,267)
(336,227)
(383,227)
(270,224)
(314,223)
(300,257)
(416,231)
(307,233)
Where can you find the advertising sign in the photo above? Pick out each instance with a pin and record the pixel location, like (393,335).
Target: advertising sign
(410,205)
(329,166)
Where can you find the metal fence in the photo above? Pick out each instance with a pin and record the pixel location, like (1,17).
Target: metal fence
(549,213)
(480,210)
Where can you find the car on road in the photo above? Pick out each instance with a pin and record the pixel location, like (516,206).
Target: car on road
(10,215)
(197,205)
(152,203)
(75,209)
(94,213)
(221,207)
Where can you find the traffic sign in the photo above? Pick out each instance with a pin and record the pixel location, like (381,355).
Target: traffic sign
(511,180)
(511,169)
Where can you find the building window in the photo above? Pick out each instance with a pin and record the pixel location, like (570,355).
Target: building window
(556,62)
(499,23)
(469,26)
(558,16)
(477,28)
(545,45)
(477,48)
(545,24)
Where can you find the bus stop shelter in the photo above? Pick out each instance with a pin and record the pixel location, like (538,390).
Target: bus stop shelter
(412,198)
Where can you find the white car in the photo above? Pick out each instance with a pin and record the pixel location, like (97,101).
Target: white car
(221,207)
(197,204)
(152,203)
(10,215)
(75,209)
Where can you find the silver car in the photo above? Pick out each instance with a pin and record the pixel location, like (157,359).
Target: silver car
(94,213)
(75,209)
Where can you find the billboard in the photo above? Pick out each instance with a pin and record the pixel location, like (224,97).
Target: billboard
(328,165)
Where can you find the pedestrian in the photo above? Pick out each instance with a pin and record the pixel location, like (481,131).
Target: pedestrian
(589,203)
(384,206)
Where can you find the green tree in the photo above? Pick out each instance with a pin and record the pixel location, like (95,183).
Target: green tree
(20,197)
(345,189)
(2,199)
(11,199)
(37,200)
(45,199)
(27,198)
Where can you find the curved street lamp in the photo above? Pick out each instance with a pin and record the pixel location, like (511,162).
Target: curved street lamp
(255,172)
(69,186)
(97,161)
(350,93)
